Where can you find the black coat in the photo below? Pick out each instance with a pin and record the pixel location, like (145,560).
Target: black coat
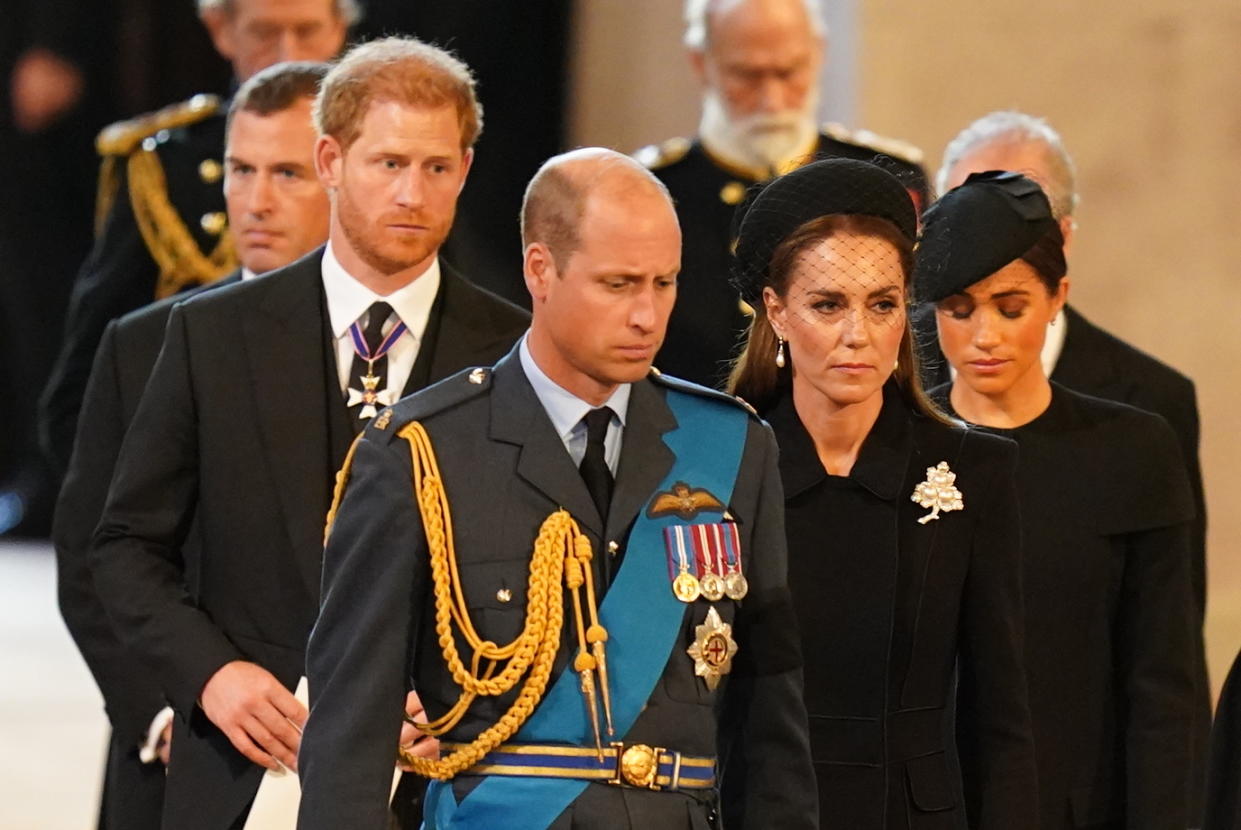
(1223,794)
(505,470)
(1097,363)
(887,606)
(240,430)
(1110,642)
(133,791)
(708,321)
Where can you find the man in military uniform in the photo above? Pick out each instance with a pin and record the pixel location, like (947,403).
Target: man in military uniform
(207,557)
(161,225)
(1083,356)
(279,211)
(758,62)
(572,523)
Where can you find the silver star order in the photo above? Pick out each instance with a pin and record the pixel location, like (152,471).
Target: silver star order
(939,492)
(379,400)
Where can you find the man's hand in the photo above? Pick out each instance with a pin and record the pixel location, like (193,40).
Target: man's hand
(413,741)
(164,746)
(259,715)
(44,86)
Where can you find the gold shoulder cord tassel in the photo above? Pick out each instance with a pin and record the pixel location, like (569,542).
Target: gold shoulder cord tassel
(180,261)
(560,550)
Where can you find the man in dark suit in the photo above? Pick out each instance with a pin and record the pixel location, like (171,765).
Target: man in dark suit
(1084,357)
(161,225)
(251,406)
(572,439)
(758,62)
(279,211)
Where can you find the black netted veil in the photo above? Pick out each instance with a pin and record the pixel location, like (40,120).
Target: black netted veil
(830,186)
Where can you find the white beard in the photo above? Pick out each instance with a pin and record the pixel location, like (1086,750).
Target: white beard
(766,140)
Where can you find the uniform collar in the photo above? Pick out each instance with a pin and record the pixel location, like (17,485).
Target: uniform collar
(565,409)
(348,299)
(882,460)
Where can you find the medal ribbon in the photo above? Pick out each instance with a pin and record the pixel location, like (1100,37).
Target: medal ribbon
(643,617)
(732,544)
(363,351)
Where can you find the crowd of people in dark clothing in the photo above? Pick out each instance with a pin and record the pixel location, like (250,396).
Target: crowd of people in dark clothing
(966,585)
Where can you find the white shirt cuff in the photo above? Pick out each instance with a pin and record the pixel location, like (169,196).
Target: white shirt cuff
(149,751)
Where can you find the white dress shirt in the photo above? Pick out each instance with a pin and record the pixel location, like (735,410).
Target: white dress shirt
(567,410)
(348,301)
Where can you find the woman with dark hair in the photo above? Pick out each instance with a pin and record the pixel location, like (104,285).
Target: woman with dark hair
(1105,512)
(902,527)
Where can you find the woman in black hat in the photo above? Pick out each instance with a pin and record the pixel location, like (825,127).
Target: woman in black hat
(902,528)
(1105,511)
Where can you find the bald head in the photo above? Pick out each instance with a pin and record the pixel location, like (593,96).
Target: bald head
(558,196)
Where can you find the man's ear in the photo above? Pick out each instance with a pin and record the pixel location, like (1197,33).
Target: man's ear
(1067,226)
(698,63)
(467,161)
(219,25)
(328,160)
(539,269)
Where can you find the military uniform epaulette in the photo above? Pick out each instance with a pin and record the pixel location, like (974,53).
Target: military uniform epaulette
(133,147)
(695,389)
(466,384)
(657,156)
(124,137)
(893,147)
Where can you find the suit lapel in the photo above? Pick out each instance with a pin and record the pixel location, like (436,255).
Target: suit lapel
(645,458)
(1084,364)
(284,347)
(517,417)
(459,331)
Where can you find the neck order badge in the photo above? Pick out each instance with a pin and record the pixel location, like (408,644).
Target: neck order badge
(643,618)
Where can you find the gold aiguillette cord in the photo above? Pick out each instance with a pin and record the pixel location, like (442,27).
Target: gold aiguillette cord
(578,572)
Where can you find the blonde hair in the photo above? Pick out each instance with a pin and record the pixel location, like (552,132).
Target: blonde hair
(402,70)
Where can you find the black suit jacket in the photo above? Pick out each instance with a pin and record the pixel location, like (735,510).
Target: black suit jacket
(240,431)
(505,470)
(1223,796)
(133,791)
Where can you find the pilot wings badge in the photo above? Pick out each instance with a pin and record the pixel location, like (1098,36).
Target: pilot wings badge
(684,502)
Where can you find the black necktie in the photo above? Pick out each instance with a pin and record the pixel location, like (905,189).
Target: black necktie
(594,466)
(377,315)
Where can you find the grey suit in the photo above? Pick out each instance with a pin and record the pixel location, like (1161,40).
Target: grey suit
(504,470)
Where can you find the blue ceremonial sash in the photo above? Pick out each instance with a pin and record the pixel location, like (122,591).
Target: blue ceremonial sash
(707,446)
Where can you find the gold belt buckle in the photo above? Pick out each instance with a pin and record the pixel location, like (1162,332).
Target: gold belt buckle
(637,765)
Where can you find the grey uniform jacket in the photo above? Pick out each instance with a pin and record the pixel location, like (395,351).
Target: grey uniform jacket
(505,470)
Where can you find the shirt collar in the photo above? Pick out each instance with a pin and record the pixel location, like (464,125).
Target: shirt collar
(348,299)
(565,409)
(1054,344)
(247,274)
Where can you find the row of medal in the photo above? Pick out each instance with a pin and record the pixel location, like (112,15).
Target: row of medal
(705,561)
